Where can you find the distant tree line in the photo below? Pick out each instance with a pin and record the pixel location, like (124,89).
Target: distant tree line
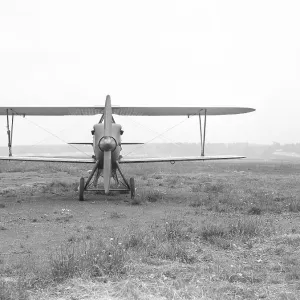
(170,149)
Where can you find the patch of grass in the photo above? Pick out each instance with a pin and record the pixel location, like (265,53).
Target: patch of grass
(245,227)
(175,230)
(11,290)
(157,176)
(196,203)
(65,215)
(65,218)
(294,206)
(174,252)
(72,239)
(58,187)
(213,230)
(152,196)
(136,201)
(222,234)
(2,227)
(116,215)
(164,241)
(93,259)
(254,210)
(2,205)
(213,187)
(291,265)
(135,239)
(235,292)
(172,181)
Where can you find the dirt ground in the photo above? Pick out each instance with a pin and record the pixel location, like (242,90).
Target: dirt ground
(40,211)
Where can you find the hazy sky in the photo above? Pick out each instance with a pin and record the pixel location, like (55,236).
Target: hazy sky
(153,53)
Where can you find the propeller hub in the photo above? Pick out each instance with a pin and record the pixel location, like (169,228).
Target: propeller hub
(107,143)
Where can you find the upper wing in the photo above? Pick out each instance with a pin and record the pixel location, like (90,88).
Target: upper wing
(179,111)
(174,159)
(123,111)
(48,159)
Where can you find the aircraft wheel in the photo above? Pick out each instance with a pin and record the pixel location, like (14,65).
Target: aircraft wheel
(81,189)
(132,187)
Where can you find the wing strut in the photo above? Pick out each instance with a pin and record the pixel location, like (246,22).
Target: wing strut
(10,131)
(202,134)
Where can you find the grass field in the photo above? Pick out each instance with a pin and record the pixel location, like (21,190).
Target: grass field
(223,230)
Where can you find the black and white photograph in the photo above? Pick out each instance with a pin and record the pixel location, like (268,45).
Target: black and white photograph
(149,150)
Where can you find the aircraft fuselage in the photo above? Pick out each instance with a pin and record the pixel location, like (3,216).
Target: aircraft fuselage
(113,142)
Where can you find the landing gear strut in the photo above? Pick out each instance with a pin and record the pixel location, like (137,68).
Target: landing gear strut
(132,187)
(81,189)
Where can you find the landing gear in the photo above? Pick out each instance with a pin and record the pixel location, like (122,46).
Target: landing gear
(86,186)
(81,189)
(132,187)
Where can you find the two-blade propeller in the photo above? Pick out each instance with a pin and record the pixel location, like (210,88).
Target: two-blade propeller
(107,153)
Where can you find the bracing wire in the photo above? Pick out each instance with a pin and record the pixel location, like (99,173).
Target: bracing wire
(157,136)
(51,133)
(150,129)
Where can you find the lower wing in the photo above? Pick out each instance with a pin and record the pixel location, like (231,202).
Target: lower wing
(174,159)
(48,159)
(121,161)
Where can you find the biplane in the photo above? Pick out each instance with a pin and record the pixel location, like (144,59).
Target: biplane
(107,142)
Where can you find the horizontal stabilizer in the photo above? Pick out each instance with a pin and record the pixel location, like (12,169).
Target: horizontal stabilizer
(80,144)
(133,143)
(92,144)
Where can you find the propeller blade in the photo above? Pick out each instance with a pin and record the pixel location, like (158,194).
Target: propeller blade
(107,170)
(107,117)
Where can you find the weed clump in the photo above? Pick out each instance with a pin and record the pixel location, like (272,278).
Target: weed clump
(136,240)
(174,252)
(13,291)
(294,206)
(223,234)
(162,241)
(58,187)
(153,196)
(175,230)
(196,203)
(214,188)
(90,227)
(157,176)
(254,210)
(116,215)
(136,201)
(246,228)
(93,259)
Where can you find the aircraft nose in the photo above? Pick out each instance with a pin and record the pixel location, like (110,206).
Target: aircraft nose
(107,143)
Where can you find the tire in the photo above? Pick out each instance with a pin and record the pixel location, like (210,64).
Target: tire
(81,189)
(132,187)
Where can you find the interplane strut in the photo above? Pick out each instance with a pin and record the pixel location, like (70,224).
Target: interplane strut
(202,134)
(9,131)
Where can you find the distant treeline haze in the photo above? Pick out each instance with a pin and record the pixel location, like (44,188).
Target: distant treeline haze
(169,149)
